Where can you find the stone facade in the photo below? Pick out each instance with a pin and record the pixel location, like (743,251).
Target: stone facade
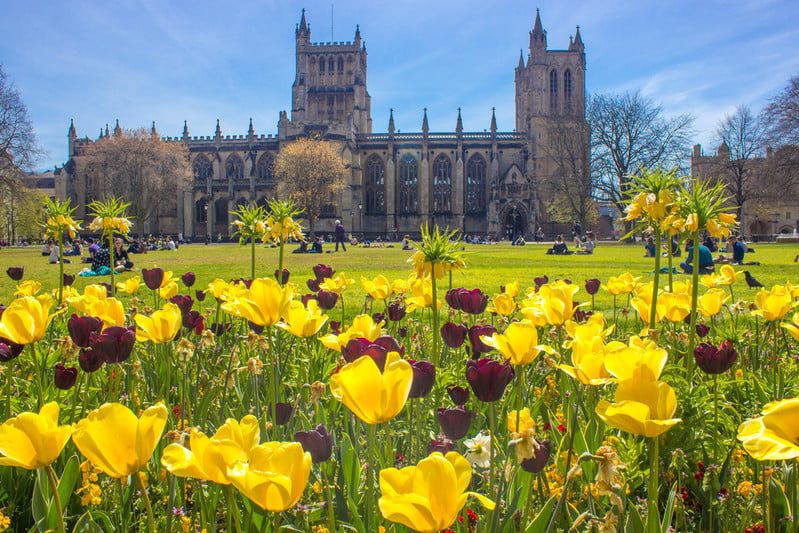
(480,182)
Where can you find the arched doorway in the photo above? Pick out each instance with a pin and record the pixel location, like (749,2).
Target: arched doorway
(514,223)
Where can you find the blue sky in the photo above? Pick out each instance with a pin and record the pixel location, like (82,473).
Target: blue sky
(197,60)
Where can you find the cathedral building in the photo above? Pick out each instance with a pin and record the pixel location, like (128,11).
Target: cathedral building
(481,182)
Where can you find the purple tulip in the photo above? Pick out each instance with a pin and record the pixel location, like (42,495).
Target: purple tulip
(183,301)
(9,350)
(313,285)
(488,378)
(318,442)
(283,412)
(378,317)
(592,286)
(307,298)
(453,299)
(69,279)
(581,315)
(713,360)
(327,299)
(442,445)
(472,301)
(83,328)
(458,395)
(64,377)
(220,328)
(199,295)
(322,272)
(247,282)
(193,320)
(335,327)
(453,334)
(396,311)
(114,344)
(402,332)
(455,423)
(282,276)
(15,273)
(543,280)
(255,328)
(357,348)
(537,463)
(424,377)
(390,344)
(702,330)
(188,279)
(89,360)
(153,277)
(475,332)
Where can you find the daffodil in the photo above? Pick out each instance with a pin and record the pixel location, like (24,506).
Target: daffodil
(378,288)
(362,326)
(302,321)
(25,320)
(275,476)
(518,343)
(33,440)
(160,327)
(711,303)
(773,304)
(773,436)
(129,286)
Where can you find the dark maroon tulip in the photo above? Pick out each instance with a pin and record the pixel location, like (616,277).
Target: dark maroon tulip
(153,277)
(543,280)
(424,377)
(313,285)
(188,279)
(327,299)
(453,299)
(537,463)
(488,378)
(378,317)
(9,350)
(442,445)
(317,442)
(64,377)
(473,301)
(307,298)
(220,328)
(592,286)
(713,360)
(702,330)
(69,279)
(283,412)
(247,282)
(390,344)
(199,295)
(82,328)
(255,328)
(455,423)
(194,320)
(355,348)
(396,311)
(183,301)
(335,326)
(108,290)
(89,360)
(322,272)
(475,332)
(581,315)
(282,276)
(114,344)
(458,395)
(15,273)
(402,332)
(453,334)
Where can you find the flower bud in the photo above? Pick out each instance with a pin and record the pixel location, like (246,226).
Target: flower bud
(396,311)
(318,442)
(200,295)
(15,273)
(64,377)
(283,412)
(592,286)
(455,423)
(453,334)
(424,377)
(327,299)
(282,276)
(153,277)
(188,279)
(488,378)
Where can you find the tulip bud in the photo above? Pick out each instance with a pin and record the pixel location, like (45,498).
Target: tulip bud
(402,332)
(537,463)
(702,330)
(453,300)
(69,279)
(153,277)
(9,350)
(378,317)
(114,344)
(200,295)
(322,272)
(64,377)
(318,442)
(82,328)
(458,395)
(713,360)
(15,273)
(453,334)
(89,360)
(488,378)
(443,446)
(390,344)
(183,301)
(473,301)
(592,286)
(327,299)
(543,280)
(194,320)
(188,279)
(475,332)
(396,311)
(313,285)
(282,276)
(455,423)
(283,412)
(424,377)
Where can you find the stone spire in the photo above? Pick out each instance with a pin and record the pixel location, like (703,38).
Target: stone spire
(576,45)
(358,35)
(493,121)
(117,130)
(101,134)
(107,134)
(538,37)
(391,122)
(218,131)
(425,125)
(521,59)
(72,136)
(459,123)
(303,30)
(185,130)
(153,131)
(251,130)
(303,22)
(72,133)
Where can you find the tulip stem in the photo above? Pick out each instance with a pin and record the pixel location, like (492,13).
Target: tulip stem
(670,256)
(112,263)
(60,268)
(410,430)
(59,513)
(656,282)
(9,380)
(715,417)
(694,299)
(252,258)
(233,509)
(146,498)
(331,519)
(371,519)
(436,332)
(653,518)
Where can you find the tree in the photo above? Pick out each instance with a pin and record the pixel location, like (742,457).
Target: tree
(141,168)
(310,171)
(18,148)
(782,115)
(21,210)
(629,133)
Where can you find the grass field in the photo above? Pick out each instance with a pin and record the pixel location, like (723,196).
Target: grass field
(488,266)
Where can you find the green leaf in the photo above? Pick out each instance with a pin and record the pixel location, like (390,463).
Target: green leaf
(88,523)
(634,523)
(69,478)
(668,512)
(780,508)
(541,521)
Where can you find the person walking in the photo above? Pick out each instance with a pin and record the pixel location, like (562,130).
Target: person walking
(340,235)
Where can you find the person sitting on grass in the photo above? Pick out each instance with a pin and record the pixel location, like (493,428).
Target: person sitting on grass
(706,265)
(559,248)
(588,245)
(649,247)
(738,251)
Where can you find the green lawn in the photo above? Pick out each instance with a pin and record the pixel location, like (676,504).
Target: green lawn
(488,266)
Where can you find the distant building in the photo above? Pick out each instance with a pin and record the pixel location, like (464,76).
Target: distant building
(48,182)
(484,182)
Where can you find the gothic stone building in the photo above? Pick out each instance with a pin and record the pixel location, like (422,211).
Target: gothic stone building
(483,182)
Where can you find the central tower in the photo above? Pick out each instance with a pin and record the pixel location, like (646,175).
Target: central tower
(330,82)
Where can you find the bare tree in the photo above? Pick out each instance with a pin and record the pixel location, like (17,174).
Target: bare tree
(141,168)
(629,132)
(18,147)
(781,115)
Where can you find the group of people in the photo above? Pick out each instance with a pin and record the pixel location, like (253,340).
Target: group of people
(735,245)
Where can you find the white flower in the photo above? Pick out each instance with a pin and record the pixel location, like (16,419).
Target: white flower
(478,451)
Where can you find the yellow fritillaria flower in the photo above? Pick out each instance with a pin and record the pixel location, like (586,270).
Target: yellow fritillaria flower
(209,458)
(262,304)
(160,327)
(519,342)
(302,321)
(115,441)
(378,288)
(774,436)
(362,326)
(711,303)
(773,304)
(129,286)
(31,440)
(373,396)
(25,320)
(428,497)
(275,476)
(28,287)
(338,283)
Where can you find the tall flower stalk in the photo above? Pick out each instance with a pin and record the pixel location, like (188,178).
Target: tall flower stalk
(250,226)
(282,226)
(110,217)
(60,221)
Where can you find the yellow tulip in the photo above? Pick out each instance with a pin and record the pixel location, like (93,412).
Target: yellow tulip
(421,290)
(775,435)
(558,303)
(95,291)
(643,405)
(727,275)
(512,289)
(373,396)
(275,476)
(25,320)
(28,287)
(519,342)
(533,309)
(115,441)
(362,326)
(109,310)
(378,288)
(674,306)
(773,304)
(262,304)
(31,440)
(303,321)
(167,291)
(642,303)
(160,327)
(209,458)
(503,304)
(793,326)
(428,497)
(338,283)
(130,285)
(218,288)
(710,303)
(622,360)
(399,286)
(588,351)
(624,284)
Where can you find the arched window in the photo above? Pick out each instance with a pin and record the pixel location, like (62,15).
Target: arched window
(476,185)
(265,167)
(442,184)
(201,210)
(331,65)
(553,91)
(202,168)
(234,168)
(567,91)
(408,185)
(375,186)
(221,211)
(321,65)
(341,64)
